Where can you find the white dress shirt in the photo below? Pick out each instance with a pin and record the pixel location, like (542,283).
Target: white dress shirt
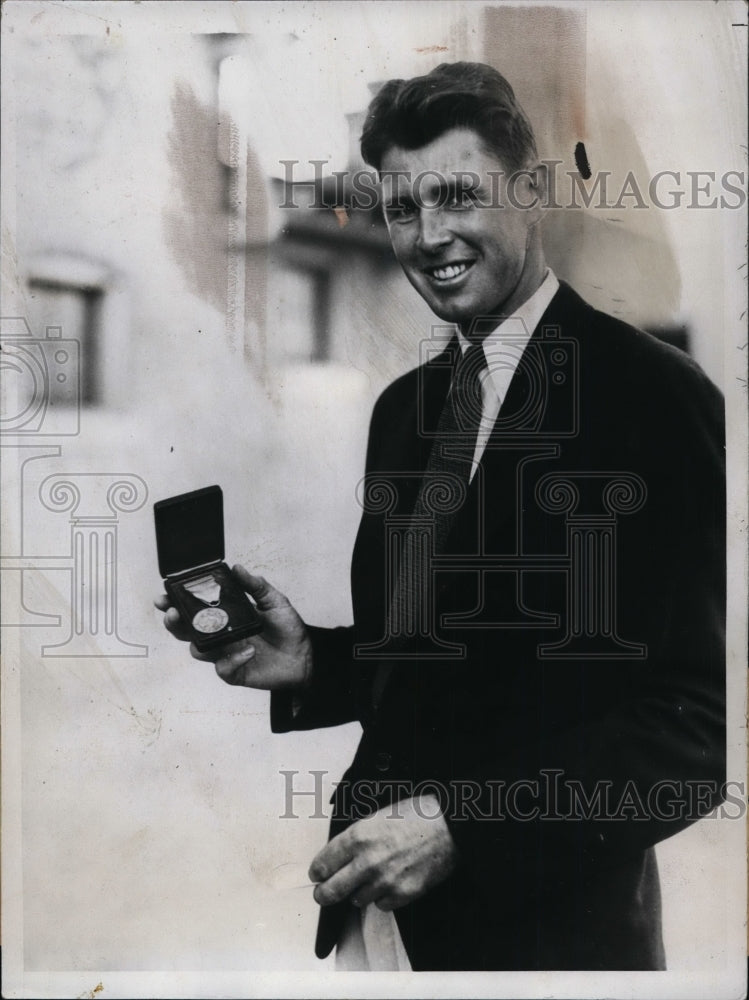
(503,349)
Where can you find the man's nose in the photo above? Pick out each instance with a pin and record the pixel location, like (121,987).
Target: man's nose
(433,230)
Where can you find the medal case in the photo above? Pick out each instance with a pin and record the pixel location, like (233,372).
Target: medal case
(190,548)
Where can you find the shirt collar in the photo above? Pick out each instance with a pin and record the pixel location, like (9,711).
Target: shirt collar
(529,314)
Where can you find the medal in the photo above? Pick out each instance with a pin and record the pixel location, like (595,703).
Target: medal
(210,620)
(208,590)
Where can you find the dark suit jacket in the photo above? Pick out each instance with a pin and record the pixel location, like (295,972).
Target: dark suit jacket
(608,720)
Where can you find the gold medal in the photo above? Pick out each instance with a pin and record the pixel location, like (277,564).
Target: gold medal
(210,620)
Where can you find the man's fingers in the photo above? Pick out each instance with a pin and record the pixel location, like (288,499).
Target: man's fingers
(263,593)
(336,853)
(174,624)
(365,894)
(228,659)
(196,654)
(342,885)
(229,666)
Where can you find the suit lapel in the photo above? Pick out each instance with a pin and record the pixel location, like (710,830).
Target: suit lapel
(525,424)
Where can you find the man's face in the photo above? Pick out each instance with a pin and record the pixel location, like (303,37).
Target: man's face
(467,254)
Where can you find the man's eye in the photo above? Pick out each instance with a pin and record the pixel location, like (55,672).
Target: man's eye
(460,200)
(401,213)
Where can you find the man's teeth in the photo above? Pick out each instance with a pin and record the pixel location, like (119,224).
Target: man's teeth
(451,271)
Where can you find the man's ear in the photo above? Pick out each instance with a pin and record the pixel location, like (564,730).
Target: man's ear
(537,191)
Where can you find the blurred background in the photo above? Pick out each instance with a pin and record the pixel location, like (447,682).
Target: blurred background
(168,325)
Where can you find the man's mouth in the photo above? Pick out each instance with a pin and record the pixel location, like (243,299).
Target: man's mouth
(448,272)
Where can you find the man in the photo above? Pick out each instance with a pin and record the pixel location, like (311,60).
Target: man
(537,583)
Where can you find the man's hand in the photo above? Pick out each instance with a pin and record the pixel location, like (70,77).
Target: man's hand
(278,657)
(390,858)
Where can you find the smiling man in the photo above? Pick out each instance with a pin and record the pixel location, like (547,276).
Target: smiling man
(536,657)
(468,248)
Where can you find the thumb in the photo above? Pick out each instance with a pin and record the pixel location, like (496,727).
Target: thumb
(263,593)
